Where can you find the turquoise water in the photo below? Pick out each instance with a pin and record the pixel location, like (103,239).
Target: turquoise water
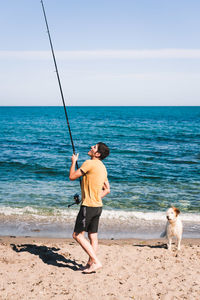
(154,160)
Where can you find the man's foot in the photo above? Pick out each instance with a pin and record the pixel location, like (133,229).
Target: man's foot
(82,268)
(93,268)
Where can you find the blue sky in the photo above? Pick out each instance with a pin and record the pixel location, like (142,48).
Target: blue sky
(108,52)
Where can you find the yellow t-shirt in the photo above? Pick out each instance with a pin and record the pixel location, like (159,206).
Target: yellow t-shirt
(95,174)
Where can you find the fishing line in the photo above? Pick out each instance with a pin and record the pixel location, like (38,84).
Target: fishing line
(76,198)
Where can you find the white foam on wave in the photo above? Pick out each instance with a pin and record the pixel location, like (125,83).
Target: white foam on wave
(9,211)
(37,212)
(106,214)
(147,216)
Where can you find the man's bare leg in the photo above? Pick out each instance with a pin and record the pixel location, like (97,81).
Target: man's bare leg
(88,248)
(93,237)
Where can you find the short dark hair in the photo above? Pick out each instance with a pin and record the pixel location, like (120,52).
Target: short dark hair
(103,150)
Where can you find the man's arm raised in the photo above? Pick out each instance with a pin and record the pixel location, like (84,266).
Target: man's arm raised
(73,173)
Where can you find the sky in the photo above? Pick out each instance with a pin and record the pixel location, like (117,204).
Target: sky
(108,52)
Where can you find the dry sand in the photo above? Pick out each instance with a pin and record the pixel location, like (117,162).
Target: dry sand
(42,268)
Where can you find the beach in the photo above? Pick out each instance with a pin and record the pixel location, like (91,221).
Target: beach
(49,268)
(100,132)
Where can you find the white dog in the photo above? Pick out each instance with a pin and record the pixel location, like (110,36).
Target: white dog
(174,227)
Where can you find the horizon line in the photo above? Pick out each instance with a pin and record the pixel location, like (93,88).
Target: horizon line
(100,106)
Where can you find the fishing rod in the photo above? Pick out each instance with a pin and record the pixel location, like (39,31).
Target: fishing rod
(76,196)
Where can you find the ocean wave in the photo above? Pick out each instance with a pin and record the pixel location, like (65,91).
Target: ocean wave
(106,214)
(33,168)
(147,216)
(187,162)
(37,212)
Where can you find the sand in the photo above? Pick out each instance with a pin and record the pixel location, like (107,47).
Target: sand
(42,268)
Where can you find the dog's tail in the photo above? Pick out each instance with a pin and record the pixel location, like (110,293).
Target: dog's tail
(163,234)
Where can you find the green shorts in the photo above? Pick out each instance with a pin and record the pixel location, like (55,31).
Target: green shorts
(88,219)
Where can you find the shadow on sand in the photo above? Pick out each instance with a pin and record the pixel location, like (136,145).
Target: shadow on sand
(164,246)
(48,255)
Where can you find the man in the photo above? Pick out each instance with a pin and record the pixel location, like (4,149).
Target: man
(94,187)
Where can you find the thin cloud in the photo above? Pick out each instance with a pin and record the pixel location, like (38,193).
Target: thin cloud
(104,54)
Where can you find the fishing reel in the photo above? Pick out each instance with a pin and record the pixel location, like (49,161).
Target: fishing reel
(76,200)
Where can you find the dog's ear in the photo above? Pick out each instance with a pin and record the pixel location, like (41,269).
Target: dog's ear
(176,210)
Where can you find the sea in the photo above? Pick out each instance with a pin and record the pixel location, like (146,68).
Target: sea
(154,163)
